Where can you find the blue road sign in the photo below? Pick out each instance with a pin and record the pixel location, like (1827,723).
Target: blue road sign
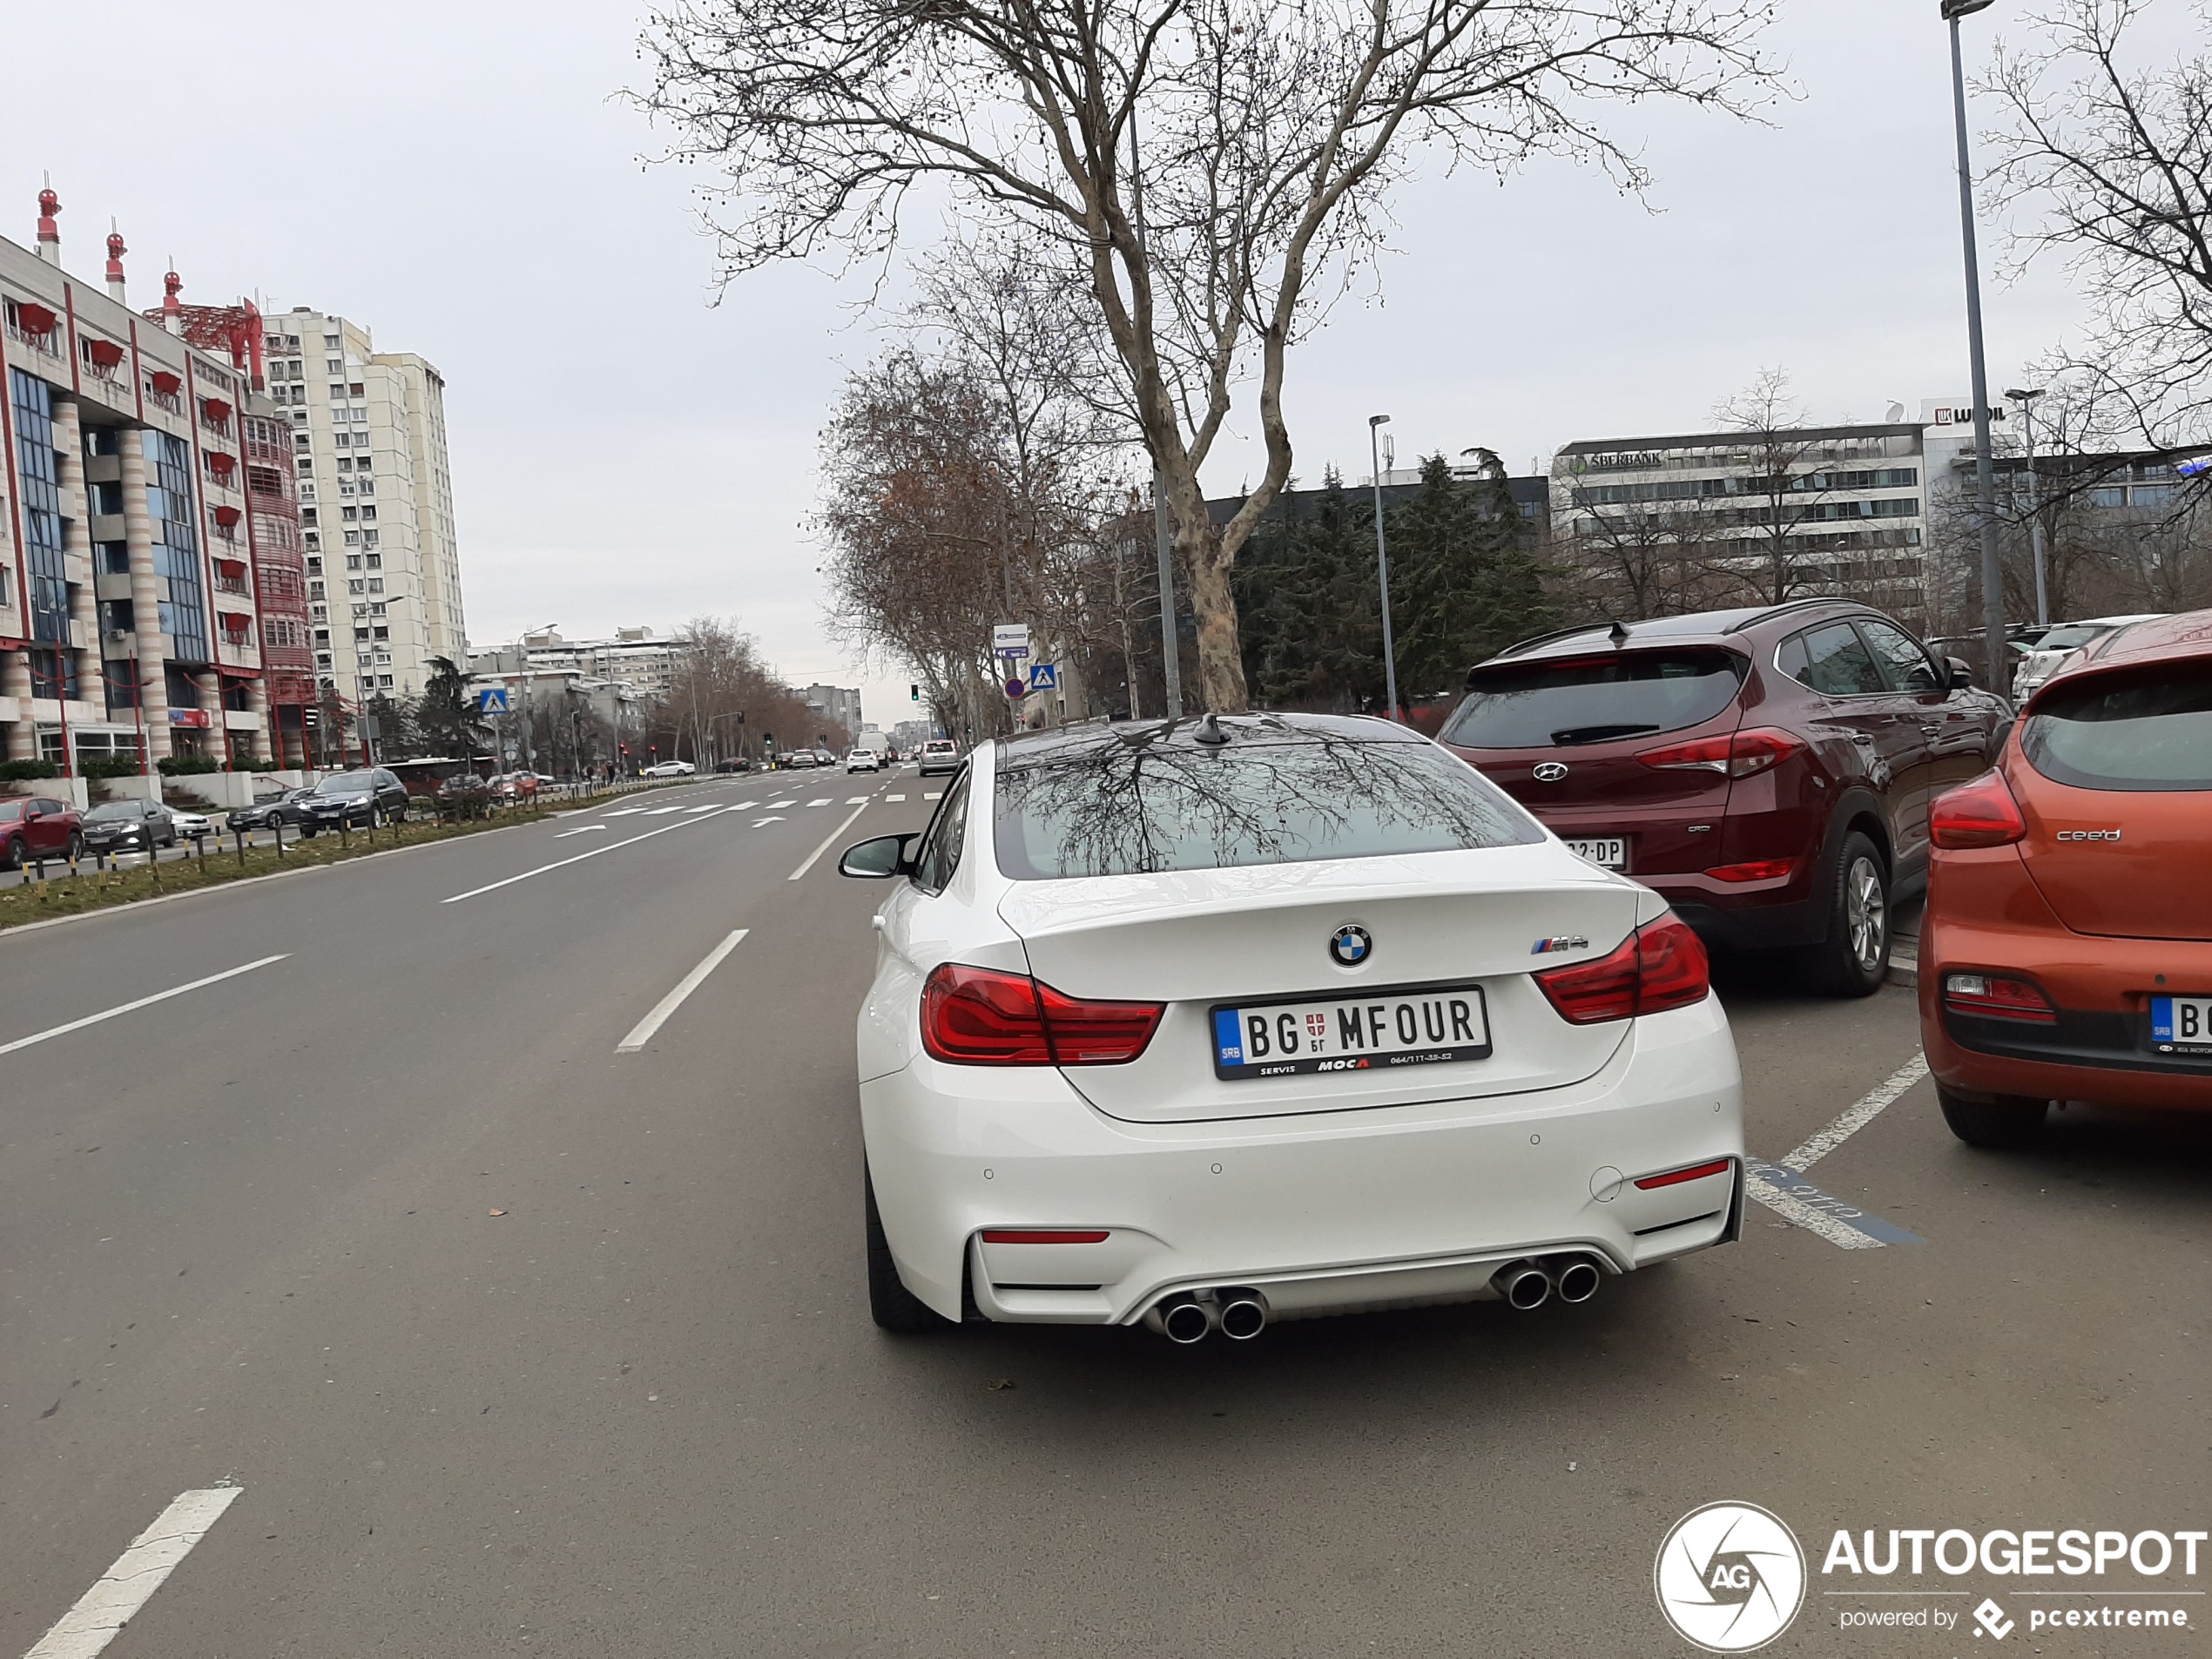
(491,699)
(1044,676)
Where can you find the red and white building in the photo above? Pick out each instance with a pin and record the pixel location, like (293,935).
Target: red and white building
(152,583)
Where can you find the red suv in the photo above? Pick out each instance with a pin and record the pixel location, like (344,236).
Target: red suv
(39,828)
(1769,770)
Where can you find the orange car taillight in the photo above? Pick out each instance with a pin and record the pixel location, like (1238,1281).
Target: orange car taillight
(978,1016)
(1979,813)
(1738,755)
(1998,996)
(1660,965)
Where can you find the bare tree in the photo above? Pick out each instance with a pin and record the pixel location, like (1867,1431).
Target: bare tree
(1635,561)
(2112,169)
(1785,488)
(1207,174)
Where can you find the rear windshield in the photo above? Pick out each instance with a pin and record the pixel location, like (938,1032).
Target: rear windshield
(1126,809)
(1550,705)
(2145,729)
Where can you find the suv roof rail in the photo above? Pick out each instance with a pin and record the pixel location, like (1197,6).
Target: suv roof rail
(1787,605)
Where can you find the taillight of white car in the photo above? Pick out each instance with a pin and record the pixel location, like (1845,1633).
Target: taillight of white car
(978,1016)
(1663,965)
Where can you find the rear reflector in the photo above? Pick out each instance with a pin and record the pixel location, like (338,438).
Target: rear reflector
(978,1016)
(1757,870)
(1979,813)
(1996,996)
(1006,1235)
(1694,1172)
(1660,966)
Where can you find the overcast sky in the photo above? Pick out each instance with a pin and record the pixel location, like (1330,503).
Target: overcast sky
(463,179)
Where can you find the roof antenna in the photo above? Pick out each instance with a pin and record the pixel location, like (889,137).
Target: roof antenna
(1618,634)
(1210,731)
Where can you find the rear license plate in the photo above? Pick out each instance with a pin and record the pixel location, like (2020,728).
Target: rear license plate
(1607,852)
(2181,1024)
(1418,1025)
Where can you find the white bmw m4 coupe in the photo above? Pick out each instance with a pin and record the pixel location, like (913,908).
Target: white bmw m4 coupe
(1210,1023)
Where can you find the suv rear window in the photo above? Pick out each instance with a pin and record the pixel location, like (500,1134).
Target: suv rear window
(2142,729)
(1597,699)
(1131,809)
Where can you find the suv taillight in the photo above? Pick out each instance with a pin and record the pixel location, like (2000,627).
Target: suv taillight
(1738,755)
(1660,965)
(1981,813)
(978,1016)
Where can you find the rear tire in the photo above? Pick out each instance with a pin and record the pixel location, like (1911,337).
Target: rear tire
(12,855)
(75,848)
(893,1306)
(1854,959)
(2002,1123)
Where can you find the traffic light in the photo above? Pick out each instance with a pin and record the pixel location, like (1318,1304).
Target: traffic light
(915,692)
(623,747)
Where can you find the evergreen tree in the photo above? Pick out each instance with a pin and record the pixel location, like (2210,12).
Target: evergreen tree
(445,717)
(1311,626)
(1464,577)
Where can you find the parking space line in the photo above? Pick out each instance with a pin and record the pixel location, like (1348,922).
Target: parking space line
(1790,1196)
(143,1001)
(827,841)
(102,1611)
(611,847)
(643,1031)
(1859,1116)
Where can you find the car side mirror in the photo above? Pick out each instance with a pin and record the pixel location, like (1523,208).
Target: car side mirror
(878,859)
(1962,674)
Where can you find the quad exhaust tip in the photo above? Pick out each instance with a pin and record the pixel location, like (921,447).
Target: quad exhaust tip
(1186,1317)
(1527,1285)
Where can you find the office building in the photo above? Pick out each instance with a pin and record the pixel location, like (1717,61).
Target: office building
(375,504)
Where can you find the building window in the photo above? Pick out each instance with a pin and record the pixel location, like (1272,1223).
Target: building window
(368,537)
(382,633)
(376,561)
(349,514)
(353,561)
(314,590)
(368,514)
(376,584)
(355,390)
(352,585)
(384,679)
(352,539)
(376,610)
(306,515)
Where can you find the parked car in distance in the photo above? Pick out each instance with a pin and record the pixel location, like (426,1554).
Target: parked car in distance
(863,760)
(1767,770)
(2066,950)
(129,827)
(373,797)
(465,794)
(189,823)
(2054,645)
(1094,968)
(38,827)
(288,809)
(740,763)
(939,754)
(669,769)
(515,785)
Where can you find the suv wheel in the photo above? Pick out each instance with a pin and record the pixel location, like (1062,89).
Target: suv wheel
(12,855)
(1854,959)
(1999,1122)
(891,1303)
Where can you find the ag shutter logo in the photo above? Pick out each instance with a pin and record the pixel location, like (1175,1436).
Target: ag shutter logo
(1730,1577)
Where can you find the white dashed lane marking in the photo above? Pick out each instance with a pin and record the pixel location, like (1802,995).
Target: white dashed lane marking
(143,1001)
(935,794)
(561,864)
(643,1031)
(823,801)
(856,800)
(586,830)
(102,1611)
(894,798)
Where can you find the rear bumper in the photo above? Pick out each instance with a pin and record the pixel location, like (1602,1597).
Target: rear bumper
(1323,1212)
(2099,1050)
(1746,924)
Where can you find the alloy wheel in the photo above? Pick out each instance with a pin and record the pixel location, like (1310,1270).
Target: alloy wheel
(1867,913)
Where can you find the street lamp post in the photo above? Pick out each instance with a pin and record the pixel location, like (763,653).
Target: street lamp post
(1375,424)
(1993,594)
(2026,398)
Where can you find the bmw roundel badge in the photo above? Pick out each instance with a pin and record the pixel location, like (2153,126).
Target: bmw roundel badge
(1349,946)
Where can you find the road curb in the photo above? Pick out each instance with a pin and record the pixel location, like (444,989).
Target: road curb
(1905,965)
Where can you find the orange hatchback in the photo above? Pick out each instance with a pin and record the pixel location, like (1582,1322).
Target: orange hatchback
(2066,953)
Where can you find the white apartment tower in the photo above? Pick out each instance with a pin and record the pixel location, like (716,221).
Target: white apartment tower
(375,504)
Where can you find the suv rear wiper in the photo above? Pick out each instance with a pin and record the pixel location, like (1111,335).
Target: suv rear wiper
(1599,733)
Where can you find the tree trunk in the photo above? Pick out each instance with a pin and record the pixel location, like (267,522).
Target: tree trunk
(1221,663)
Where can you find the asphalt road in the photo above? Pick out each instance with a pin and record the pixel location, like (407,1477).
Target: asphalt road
(518,1344)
